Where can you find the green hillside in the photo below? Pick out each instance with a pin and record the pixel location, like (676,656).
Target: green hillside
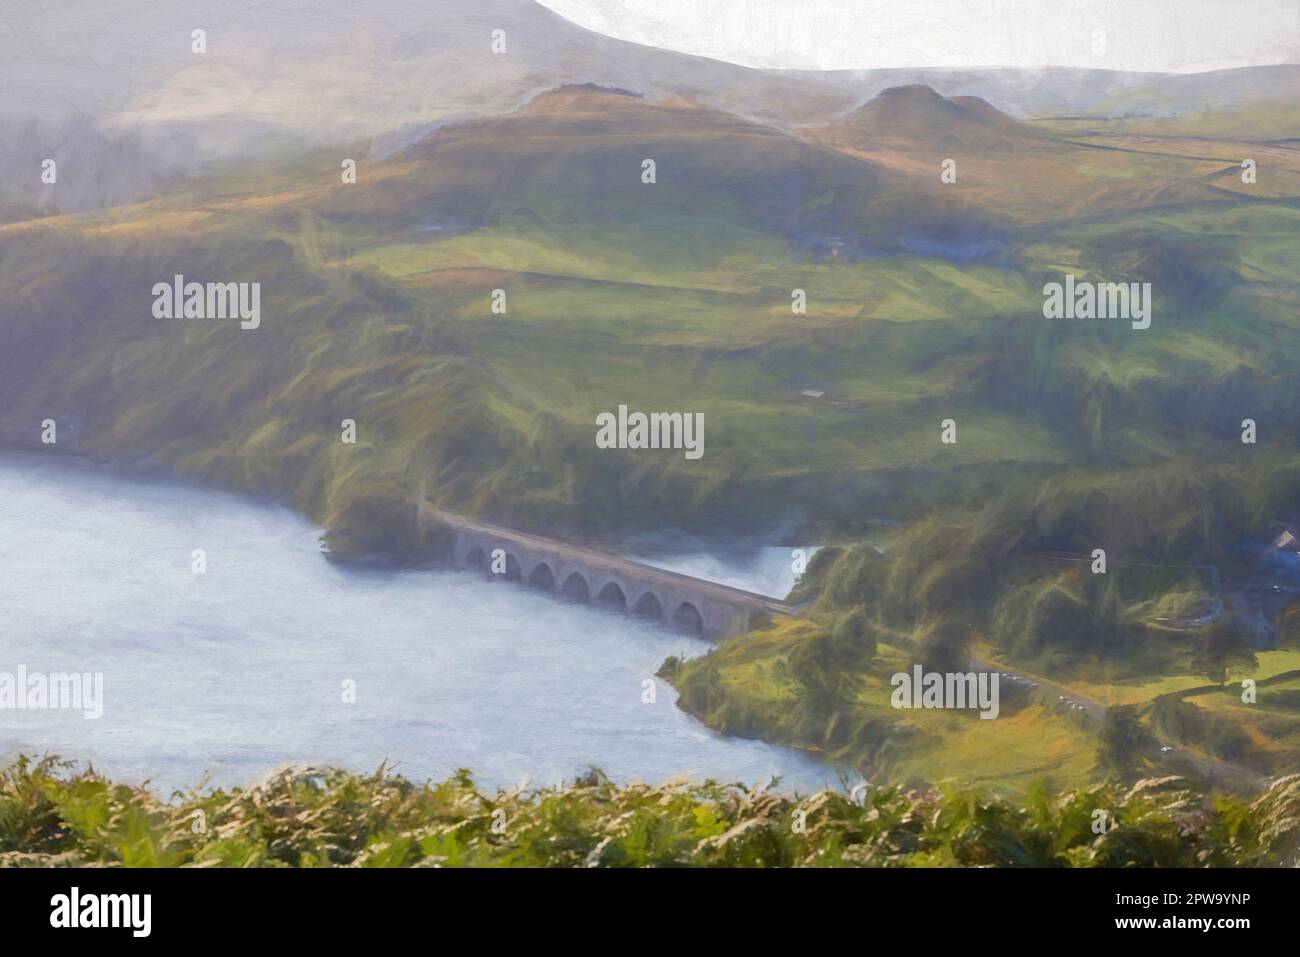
(924,303)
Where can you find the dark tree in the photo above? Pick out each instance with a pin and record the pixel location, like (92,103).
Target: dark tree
(1221,644)
(1125,748)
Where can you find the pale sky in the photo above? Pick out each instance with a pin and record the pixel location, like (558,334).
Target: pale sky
(1154,35)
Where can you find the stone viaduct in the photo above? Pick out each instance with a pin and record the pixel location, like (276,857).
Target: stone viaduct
(584,574)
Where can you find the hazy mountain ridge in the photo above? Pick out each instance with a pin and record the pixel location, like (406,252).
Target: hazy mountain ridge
(328,73)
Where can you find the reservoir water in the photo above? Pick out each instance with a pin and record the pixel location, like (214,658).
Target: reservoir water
(245,668)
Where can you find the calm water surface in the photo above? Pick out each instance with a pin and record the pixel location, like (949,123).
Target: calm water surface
(238,671)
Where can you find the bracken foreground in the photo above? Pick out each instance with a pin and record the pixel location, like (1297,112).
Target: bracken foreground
(52,814)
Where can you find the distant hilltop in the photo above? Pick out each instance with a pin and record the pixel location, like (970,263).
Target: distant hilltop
(916,112)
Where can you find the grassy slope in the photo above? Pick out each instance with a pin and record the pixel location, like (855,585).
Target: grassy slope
(1030,742)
